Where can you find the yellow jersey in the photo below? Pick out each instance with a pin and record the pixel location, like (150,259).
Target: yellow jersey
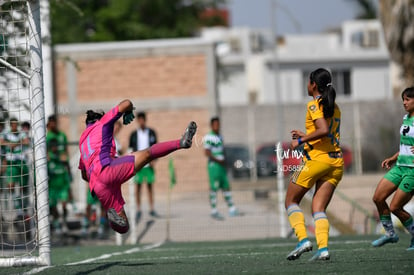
(325,149)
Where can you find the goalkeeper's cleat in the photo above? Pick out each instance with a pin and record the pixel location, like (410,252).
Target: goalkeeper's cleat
(321,255)
(117,223)
(303,246)
(217,216)
(411,247)
(187,139)
(384,240)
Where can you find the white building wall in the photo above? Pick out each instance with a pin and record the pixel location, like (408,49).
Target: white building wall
(233,86)
(358,49)
(356,32)
(292,85)
(370,83)
(254,71)
(268,91)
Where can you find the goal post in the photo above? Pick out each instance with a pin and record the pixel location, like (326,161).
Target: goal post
(25,237)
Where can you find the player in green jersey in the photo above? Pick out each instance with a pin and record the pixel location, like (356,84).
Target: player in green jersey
(17,172)
(399,179)
(60,152)
(213,147)
(58,181)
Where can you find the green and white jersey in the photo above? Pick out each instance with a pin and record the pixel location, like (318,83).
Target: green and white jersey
(16,152)
(214,143)
(406,157)
(61,139)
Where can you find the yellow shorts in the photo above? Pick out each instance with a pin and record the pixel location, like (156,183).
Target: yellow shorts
(313,171)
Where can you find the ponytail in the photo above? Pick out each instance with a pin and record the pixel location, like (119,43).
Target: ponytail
(328,101)
(92,116)
(323,81)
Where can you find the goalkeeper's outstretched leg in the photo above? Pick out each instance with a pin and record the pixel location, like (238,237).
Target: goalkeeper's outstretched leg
(106,173)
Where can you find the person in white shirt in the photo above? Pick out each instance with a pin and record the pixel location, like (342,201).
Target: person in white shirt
(143,138)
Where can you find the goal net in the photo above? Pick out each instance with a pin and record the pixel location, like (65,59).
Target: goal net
(24,210)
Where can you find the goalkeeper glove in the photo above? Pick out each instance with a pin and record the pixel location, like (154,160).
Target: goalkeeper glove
(128,117)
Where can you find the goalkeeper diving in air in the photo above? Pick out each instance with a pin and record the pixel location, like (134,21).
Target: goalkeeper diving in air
(106,173)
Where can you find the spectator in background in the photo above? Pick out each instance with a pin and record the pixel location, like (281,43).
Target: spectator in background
(26,128)
(59,182)
(16,170)
(53,133)
(214,150)
(141,139)
(118,146)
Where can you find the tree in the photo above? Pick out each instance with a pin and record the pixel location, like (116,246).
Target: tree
(118,20)
(367,9)
(397,18)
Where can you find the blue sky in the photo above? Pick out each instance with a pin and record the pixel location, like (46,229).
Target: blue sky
(293,16)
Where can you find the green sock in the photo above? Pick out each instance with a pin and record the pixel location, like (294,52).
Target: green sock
(409,225)
(228,198)
(213,199)
(387,224)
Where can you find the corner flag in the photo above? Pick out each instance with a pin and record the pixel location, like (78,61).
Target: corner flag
(171,169)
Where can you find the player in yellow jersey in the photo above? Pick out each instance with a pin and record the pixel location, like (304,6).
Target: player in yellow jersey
(322,165)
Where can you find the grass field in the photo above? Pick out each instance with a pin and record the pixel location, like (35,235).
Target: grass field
(349,255)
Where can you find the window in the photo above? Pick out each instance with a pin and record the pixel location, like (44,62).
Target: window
(341,81)
(368,38)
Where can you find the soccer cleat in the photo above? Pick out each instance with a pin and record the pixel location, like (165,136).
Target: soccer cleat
(154,214)
(138,216)
(234,213)
(321,255)
(411,247)
(217,216)
(118,223)
(303,246)
(384,240)
(187,139)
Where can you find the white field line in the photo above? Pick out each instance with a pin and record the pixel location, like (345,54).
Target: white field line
(270,245)
(37,270)
(155,248)
(201,256)
(215,255)
(102,257)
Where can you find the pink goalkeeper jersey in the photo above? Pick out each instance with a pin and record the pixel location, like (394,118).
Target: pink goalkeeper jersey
(97,145)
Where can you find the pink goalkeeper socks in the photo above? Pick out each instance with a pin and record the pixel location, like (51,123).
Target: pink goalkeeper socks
(164,148)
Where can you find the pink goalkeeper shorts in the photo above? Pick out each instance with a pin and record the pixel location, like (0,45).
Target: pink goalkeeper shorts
(107,184)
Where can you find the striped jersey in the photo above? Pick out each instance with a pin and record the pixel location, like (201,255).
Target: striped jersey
(325,149)
(15,153)
(214,143)
(406,157)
